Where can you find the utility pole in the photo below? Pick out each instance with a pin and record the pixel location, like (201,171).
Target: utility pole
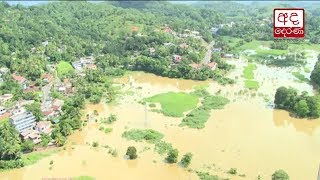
(145,113)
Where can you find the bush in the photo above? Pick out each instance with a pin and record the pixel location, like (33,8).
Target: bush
(112,118)
(132,152)
(108,130)
(186,160)
(233,171)
(95,144)
(206,176)
(163,147)
(148,135)
(172,156)
(11,164)
(280,175)
(27,146)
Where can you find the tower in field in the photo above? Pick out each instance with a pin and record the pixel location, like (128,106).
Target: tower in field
(146,113)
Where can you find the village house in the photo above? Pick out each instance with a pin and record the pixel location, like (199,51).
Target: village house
(187,31)
(5,97)
(195,65)
(21,80)
(3,113)
(48,114)
(57,104)
(195,33)
(184,45)
(22,120)
(47,77)
(43,127)
(214,50)
(177,58)
(31,134)
(2,110)
(228,55)
(31,87)
(45,43)
(4,70)
(168,44)
(65,87)
(152,51)
(167,29)
(214,30)
(212,65)
(84,63)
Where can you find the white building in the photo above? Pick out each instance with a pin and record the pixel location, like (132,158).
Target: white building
(23,120)
(2,110)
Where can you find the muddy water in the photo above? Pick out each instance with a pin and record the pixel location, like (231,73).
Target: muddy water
(158,81)
(244,135)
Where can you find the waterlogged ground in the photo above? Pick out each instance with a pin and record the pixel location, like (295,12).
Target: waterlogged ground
(245,135)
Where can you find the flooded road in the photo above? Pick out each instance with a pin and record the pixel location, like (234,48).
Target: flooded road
(244,135)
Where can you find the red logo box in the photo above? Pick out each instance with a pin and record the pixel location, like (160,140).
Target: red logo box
(288,23)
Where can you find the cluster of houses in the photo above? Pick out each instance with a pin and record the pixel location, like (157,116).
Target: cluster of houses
(189,33)
(84,63)
(25,122)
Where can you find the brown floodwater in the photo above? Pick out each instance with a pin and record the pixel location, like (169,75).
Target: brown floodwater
(158,81)
(244,135)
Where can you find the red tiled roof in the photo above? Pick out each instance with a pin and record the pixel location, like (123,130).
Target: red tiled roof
(167,30)
(47,76)
(19,78)
(184,45)
(212,64)
(47,113)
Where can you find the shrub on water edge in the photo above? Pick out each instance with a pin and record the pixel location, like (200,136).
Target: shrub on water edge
(280,175)
(11,164)
(95,144)
(132,152)
(172,156)
(186,160)
(207,176)
(148,135)
(199,116)
(107,130)
(233,171)
(162,147)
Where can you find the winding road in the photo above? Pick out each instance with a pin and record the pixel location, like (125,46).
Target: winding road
(207,57)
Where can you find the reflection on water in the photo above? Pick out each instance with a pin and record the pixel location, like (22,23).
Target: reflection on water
(281,118)
(164,82)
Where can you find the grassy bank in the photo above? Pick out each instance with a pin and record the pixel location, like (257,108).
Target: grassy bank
(300,77)
(248,71)
(248,74)
(139,135)
(33,157)
(251,84)
(199,116)
(174,104)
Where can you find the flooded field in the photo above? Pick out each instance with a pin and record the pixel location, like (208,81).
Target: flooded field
(244,135)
